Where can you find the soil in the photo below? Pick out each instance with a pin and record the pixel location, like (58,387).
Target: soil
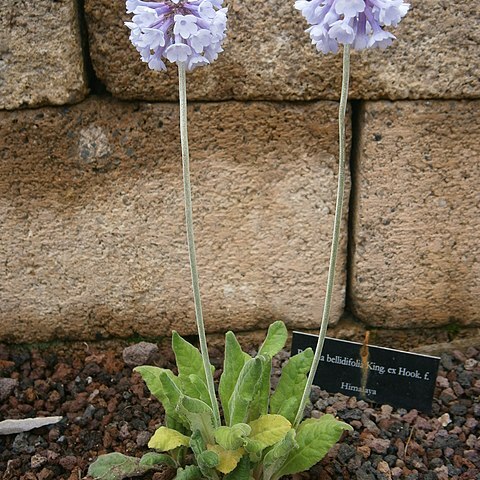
(106,407)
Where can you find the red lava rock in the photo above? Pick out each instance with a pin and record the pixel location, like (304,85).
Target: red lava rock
(379,445)
(364,451)
(442,473)
(458,389)
(52,456)
(28,476)
(460,356)
(434,453)
(411,416)
(442,382)
(7,386)
(45,474)
(106,412)
(6,365)
(63,373)
(400,447)
(68,463)
(383,467)
(397,472)
(76,405)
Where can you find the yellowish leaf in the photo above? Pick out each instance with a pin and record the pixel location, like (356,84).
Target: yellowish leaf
(165,439)
(228,459)
(269,429)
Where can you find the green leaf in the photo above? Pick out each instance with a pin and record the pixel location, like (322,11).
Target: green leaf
(315,437)
(173,395)
(162,390)
(234,361)
(253,446)
(197,443)
(269,429)
(165,439)
(193,386)
(241,472)
(232,437)
(276,338)
(244,391)
(199,416)
(277,455)
(288,394)
(152,459)
(176,424)
(192,472)
(151,376)
(189,359)
(115,466)
(260,401)
(208,459)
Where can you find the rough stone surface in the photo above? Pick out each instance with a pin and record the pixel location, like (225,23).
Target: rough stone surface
(141,353)
(93,238)
(417,215)
(41,59)
(268,56)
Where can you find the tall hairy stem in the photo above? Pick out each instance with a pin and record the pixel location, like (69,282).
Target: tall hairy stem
(335,237)
(182,88)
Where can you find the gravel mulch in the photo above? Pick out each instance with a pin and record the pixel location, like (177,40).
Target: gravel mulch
(107,408)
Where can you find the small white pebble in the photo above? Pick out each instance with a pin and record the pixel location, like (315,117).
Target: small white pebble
(444,420)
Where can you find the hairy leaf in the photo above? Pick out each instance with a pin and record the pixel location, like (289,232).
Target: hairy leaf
(244,391)
(259,405)
(193,386)
(269,429)
(165,439)
(199,416)
(189,359)
(314,437)
(208,459)
(152,459)
(173,395)
(276,338)
(241,472)
(232,437)
(152,376)
(115,466)
(197,443)
(277,455)
(192,472)
(288,394)
(234,361)
(228,459)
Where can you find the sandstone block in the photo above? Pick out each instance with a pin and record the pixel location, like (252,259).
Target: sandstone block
(41,59)
(93,238)
(268,56)
(417,215)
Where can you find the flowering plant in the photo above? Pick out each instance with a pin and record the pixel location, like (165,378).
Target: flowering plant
(179,31)
(263,435)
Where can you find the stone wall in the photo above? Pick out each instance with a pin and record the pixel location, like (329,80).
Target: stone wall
(92,240)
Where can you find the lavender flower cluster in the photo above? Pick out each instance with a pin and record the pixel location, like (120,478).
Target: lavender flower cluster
(354,22)
(188,32)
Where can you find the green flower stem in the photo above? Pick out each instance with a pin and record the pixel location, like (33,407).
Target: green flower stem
(182,88)
(335,237)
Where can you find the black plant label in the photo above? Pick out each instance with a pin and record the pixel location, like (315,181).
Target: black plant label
(376,374)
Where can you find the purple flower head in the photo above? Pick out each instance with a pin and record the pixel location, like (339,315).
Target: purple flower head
(359,23)
(181,31)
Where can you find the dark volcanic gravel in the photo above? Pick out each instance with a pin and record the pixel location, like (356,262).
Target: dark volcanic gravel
(107,408)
